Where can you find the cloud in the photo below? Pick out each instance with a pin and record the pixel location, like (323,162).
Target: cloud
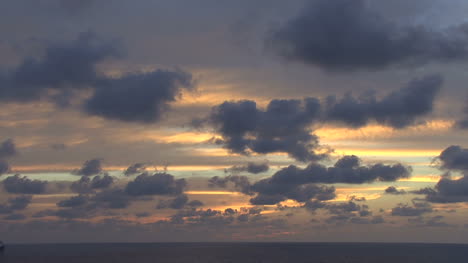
(300,184)
(63,68)
(142,97)
(14,217)
(22,185)
(7,149)
(398,109)
(14,204)
(454,158)
(250,167)
(417,209)
(156,184)
(179,202)
(68,68)
(447,190)
(349,35)
(58,146)
(392,190)
(287,125)
(4,167)
(136,168)
(74,201)
(284,126)
(90,167)
(86,185)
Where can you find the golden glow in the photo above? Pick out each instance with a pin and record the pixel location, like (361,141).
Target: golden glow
(329,133)
(212,193)
(388,152)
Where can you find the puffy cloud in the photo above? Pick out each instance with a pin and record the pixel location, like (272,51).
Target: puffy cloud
(136,168)
(90,167)
(392,190)
(157,184)
(398,109)
(447,190)
(179,202)
(22,185)
(300,184)
(68,68)
(16,203)
(138,97)
(348,169)
(7,149)
(4,167)
(287,125)
(74,201)
(62,69)
(454,158)
(349,35)
(250,167)
(417,209)
(284,126)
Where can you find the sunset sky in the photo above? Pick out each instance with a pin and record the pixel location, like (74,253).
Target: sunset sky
(216,120)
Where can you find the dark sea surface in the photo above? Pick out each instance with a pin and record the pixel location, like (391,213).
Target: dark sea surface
(235,252)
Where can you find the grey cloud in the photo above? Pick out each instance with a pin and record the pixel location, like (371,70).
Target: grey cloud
(417,209)
(7,149)
(68,68)
(138,97)
(136,168)
(392,190)
(63,67)
(58,146)
(447,190)
(348,35)
(283,127)
(157,184)
(74,201)
(14,217)
(16,203)
(4,167)
(454,158)
(398,109)
(90,167)
(22,185)
(251,167)
(179,202)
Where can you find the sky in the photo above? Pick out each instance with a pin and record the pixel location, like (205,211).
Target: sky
(267,120)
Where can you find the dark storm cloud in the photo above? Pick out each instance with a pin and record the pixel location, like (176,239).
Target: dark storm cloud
(157,184)
(138,97)
(398,109)
(392,190)
(417,209)
(283,127)
(7,149)
(348,35)
(454,158)
(136,168)
(22,185)
(251,167)
(63,68)
(86,185)
(90,167)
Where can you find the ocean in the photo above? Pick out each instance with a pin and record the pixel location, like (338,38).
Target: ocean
(235,252)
